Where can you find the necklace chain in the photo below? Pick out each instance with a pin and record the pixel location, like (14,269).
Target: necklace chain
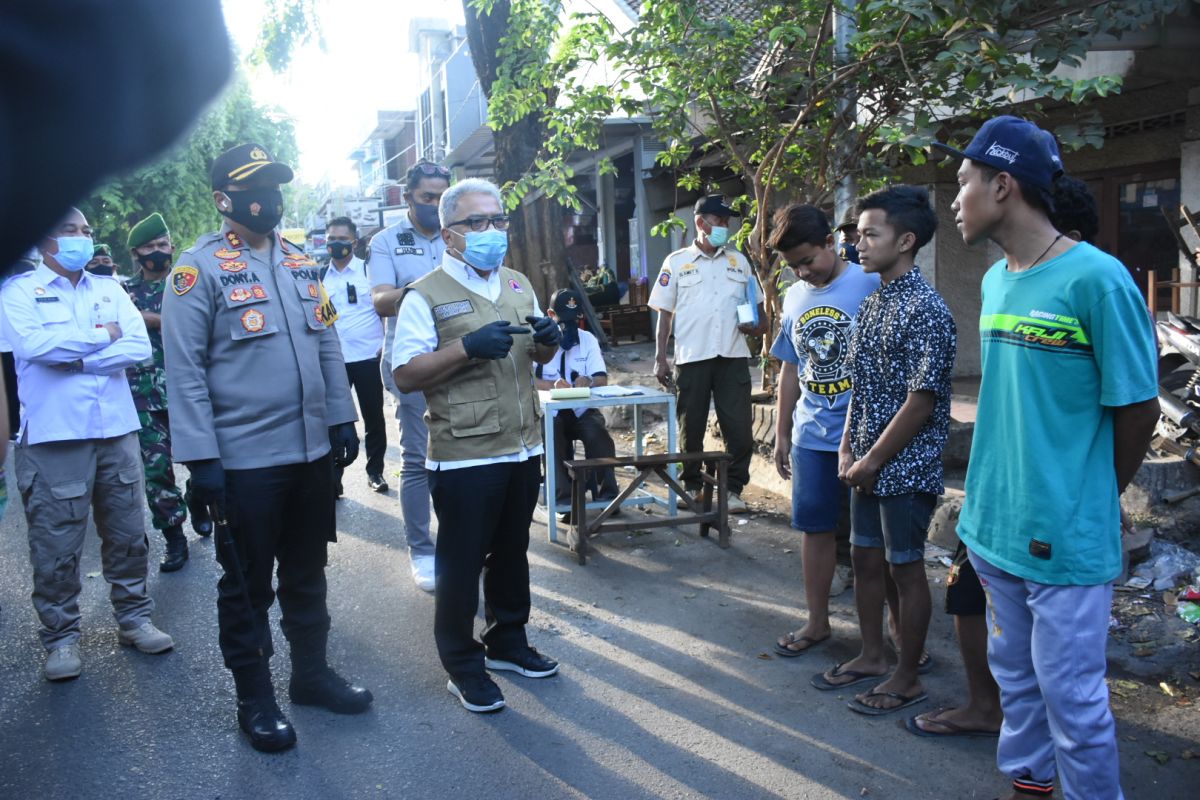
(1044,252)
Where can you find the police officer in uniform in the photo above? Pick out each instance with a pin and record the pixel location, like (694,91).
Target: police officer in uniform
(73,335)
(399,255)
(697,294)
(461,338)
(260,410)
(151,250)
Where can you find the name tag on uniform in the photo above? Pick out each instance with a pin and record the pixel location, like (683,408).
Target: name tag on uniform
(448,310)
(46,299)
(410,251)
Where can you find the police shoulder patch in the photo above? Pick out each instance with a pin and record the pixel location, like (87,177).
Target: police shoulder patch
(449,310)
(664,278)
(183,278)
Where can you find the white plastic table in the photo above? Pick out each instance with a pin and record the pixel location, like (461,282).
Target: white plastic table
(599,399)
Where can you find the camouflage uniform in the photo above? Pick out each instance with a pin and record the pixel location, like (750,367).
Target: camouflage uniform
(148,382)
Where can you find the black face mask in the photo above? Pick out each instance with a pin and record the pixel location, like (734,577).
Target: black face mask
(339,250)
(570,334)
(158,261)
(258,209)
(100,269)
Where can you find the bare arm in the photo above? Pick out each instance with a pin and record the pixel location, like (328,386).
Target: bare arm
(789,394)
(384,297)
(898,433)
(662,369)
(1133,425)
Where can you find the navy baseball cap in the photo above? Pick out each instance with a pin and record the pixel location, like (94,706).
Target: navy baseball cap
(714,204)
(1016,146)
(567,305)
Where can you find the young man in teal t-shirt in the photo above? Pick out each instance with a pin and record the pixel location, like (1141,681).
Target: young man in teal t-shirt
(1067,406)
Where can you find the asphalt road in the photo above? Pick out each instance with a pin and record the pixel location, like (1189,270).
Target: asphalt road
(667,688)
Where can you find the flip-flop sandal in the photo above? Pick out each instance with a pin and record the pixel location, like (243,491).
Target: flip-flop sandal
(790,652)
(951,731)
(819,680)
(871,711)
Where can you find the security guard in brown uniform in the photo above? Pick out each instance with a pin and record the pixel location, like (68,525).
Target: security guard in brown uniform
(259,399)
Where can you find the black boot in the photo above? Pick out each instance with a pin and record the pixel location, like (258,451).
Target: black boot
(257,712)
(177,549)
(314,683)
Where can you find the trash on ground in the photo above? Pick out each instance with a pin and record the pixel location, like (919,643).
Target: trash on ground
(1189,612)
(1167,562)
(1138,582)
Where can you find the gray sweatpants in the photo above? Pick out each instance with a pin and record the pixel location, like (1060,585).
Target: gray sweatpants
(58,482)
(414,478)
(1047,653)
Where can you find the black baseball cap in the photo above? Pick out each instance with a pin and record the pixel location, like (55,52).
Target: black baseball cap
(567,305)
(849,220)
(237,164)
(714,204)
(1016,146)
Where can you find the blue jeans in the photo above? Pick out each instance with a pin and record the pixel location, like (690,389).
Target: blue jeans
(898,524)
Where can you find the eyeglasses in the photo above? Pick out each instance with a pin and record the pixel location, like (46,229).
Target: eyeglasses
(429,168)
(477,224)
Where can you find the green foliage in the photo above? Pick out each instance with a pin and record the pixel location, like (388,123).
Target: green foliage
(177,185)
(288,25)
(763,83)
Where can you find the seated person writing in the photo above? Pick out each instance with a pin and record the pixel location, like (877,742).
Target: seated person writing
(578,363)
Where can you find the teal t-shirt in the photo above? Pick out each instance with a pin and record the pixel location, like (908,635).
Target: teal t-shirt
(1062,345)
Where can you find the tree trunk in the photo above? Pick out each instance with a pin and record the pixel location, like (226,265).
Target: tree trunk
(536,245)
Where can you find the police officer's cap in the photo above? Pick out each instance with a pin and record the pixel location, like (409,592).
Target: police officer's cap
(849,220)
(714,204)
(567,305)
(237,164)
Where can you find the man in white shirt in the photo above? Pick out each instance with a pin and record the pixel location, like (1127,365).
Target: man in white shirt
(697,293)
(578,363)
(399,255)
(73,335)
(360,332)
(460,340)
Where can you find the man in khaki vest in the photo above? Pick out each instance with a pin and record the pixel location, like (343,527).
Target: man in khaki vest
(455,333)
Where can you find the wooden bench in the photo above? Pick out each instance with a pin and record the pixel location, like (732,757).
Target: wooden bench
(714,474)
(631,321)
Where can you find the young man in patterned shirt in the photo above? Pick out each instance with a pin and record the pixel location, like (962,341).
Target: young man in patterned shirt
(901,355)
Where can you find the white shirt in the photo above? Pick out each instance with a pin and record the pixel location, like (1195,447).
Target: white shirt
(49,322)
(703,292)
(416,334)
(584,358)
(359,328)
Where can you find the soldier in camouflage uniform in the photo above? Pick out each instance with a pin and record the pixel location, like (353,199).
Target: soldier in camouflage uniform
(151,249)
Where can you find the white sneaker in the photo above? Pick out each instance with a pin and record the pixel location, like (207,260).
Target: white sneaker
(736,504)
(422,572)
(843,579)
(147,638)
(63,663)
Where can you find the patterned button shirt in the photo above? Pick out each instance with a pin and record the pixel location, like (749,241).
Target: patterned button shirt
(148,380)
(904,341)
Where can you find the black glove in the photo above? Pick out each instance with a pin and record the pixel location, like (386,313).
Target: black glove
(344,441)
(492,341)
(208,486)
(545,331)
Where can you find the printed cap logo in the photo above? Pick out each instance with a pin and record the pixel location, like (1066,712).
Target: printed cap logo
(998,151)
(258,154)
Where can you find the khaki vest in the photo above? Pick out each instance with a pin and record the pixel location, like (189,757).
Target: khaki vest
(490,408)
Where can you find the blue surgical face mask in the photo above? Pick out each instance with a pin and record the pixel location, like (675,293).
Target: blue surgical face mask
(485,249)
(74,252)
(718,236)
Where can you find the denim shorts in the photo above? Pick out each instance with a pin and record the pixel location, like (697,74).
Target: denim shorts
(819,500)
(898,524)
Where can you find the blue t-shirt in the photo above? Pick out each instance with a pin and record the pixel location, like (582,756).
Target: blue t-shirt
(814,334)
(1062,345)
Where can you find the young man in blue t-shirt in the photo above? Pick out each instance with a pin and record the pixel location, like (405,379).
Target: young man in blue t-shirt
(901,357)
(1067,405)
(814,392)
